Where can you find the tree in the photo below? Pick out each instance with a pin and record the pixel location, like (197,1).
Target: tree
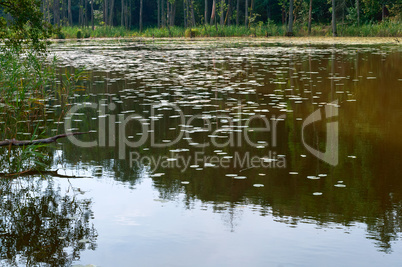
(26,27)
(310,11)
(358,12)
(251,20)
(237,12)
(158,5)
(122,14)
(56,12)
(206,12)
(70,15)
(228,13)
(333,19)
(111,12)
(105,11)
(92,15)
(246,13)
(290,30)
(213,12)
(222,11)
(141,15)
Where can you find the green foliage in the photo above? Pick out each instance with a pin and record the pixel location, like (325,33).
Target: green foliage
(79,34)
(258,29)
(27,86)
(61,35)
(24,26)
(191,33)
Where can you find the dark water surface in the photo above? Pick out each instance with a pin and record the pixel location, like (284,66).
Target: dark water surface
(204,185)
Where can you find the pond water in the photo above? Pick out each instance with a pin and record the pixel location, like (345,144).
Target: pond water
(216,153)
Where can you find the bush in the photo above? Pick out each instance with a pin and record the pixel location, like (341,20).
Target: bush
(191,33)
(79,34)
(61,35)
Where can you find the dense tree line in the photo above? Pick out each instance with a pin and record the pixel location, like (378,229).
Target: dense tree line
(165,13)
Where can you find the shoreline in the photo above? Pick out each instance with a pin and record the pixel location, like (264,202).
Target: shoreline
(272,39)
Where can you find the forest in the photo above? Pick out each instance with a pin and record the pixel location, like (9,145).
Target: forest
(141,14)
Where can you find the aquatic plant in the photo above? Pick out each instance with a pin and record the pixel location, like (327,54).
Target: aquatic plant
(28,86)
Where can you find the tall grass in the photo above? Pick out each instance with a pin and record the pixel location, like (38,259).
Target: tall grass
(99,31)
(28,89)
(24,82)
(389,28)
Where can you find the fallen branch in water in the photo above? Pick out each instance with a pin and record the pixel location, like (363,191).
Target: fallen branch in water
(35,172)
(13,142)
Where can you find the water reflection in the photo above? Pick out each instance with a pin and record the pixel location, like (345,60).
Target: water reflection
(42,224)
(226,84)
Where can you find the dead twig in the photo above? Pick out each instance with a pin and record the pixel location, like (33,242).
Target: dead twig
(13,142)
(35,172)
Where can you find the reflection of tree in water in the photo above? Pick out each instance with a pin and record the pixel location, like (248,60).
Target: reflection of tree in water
(230,215)
(370,180)
(386,228)
(40,225)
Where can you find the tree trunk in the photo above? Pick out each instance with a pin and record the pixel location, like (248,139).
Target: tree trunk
(130,10)
(290,30)
(227,17)
(173,15)
(333,19)
(167,13)
(158,4)
(111,13)
(358,12)
(140,15)
(188,13)
(229,13)
(56,12)
(80,14)
(126,16)
(246,14)
(65,13)
(105,11)
(343,12)
(86,13)
(162,13)
(122,14)
(213,12)
(92,15)
(268,11)
(192,13)
(237,12)
(206,12)
(251,11)
(310,10)
(48,12)
(222,16)
(383,12)
(184,14)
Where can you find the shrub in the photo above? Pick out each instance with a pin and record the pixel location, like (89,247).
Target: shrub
(191,33)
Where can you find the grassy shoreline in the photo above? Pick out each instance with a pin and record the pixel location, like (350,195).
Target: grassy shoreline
(384,29)
(313,40)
